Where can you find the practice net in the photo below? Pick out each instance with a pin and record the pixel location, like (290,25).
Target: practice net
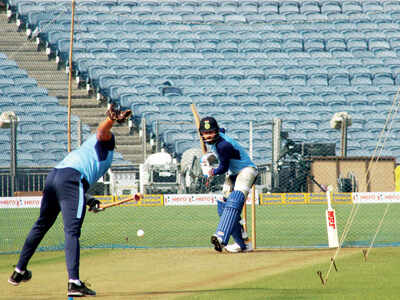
(282,221)
(310,116)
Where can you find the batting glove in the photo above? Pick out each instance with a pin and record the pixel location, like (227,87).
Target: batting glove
(205,164)
(93,203)
(117,115)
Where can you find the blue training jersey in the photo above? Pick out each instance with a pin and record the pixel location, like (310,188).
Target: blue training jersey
(232,156)
(92,159)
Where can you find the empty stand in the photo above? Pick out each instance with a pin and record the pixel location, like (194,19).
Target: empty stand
(288,59)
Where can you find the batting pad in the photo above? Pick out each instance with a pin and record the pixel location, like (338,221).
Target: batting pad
(231,216)
(220,207)
(237,228)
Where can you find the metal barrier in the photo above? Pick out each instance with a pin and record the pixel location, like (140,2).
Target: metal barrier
(28,180)
(25,180)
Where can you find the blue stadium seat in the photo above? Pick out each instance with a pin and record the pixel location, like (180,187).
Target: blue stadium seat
(351,7)
(297,80)
(335,44)
(250,82)
(25,82)
(314,45)
(339,80)
(13,91)
(307,7)
(357,44)
(361,79)
(391,6)
(275,80)
(375,7)
(6,83)
(225,101)
(318,80)
(378,43)
(260,90)
(292,45)
(268,8)
(383,79)
(289,7)
(237,91)
(234,19)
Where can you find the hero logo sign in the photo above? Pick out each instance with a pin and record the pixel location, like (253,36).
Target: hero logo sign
(331,219)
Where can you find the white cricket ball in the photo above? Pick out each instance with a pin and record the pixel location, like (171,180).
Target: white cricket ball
(140,233)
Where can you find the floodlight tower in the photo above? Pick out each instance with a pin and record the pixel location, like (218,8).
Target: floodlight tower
(342,120)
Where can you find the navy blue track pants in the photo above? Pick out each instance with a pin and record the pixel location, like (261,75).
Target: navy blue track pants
(64,191)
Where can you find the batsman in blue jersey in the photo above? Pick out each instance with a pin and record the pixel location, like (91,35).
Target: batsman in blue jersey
(241,174)
(64,192)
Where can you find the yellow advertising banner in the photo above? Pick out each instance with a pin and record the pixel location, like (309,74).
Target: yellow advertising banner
(303,198)
(146,200)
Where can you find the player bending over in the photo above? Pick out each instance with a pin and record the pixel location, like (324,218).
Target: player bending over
(241,175)
(64,191)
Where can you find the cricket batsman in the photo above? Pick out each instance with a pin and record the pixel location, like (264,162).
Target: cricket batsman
(241,174)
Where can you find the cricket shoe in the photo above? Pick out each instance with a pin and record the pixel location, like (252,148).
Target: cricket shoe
(82,290)
(217,241)
(16,277)
(235,248)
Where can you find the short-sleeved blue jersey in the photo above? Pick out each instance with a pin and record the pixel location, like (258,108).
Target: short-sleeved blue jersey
(232,156)
(92,159)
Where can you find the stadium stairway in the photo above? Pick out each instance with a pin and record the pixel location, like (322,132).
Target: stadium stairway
(18,48)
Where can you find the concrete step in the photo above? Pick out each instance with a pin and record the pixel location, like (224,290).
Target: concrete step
(127,139)
(97,112)
(34,65)
(62,96)
(118,131)
(18,47)
(56,76)
(56,85)
(134,158)
(63,89)
(85,104)
(91,121)
(131,149)
(27,56)
(121,130)
(8,27)
(13,48)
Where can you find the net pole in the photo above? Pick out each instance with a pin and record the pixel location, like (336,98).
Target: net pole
(251,156)
(70,74)
(253,215)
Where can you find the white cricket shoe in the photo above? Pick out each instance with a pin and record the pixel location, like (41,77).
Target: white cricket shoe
(235,248)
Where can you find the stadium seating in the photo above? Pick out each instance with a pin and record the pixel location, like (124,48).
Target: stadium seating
(289,59)
(40,141)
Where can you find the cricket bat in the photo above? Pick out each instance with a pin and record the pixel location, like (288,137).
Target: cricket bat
(197,122)
(331,226)
(136,197)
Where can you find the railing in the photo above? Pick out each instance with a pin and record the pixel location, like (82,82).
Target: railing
(30,180)
(25,180)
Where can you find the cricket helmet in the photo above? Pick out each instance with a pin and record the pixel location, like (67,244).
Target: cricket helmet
(209,130)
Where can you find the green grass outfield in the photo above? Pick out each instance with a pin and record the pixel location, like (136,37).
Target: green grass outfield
(277,226)
(120,274)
